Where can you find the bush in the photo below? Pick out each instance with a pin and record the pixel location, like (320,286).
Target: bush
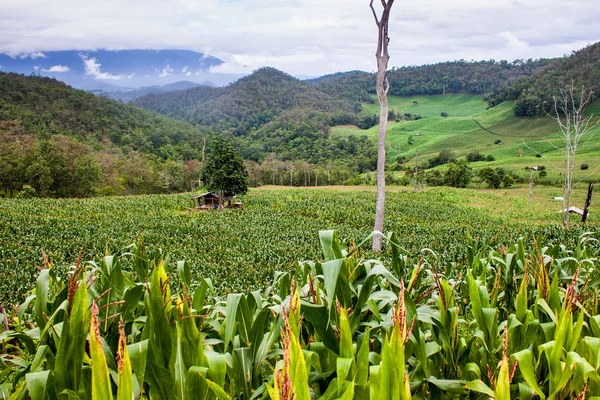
(444,157)
(507,180)
(28,192)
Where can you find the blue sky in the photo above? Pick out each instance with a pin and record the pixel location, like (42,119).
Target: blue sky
(304,37)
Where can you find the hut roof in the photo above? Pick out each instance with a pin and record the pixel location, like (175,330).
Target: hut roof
(573,210)
(206,195)
(211,195)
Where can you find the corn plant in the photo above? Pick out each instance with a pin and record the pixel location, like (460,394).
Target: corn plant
(508,323)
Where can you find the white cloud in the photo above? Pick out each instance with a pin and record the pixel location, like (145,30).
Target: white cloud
(92,67)
(33,56)
(55,68)
(303,37)
(167,70)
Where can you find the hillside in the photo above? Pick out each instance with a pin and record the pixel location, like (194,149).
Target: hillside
(533,94)
(51,133)
(471,127)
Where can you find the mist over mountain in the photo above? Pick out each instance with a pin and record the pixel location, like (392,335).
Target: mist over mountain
(119,70)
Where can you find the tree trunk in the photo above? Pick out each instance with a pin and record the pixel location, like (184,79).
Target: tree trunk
(382,86)
(588,201)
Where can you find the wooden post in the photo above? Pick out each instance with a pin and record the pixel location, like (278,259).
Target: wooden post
(417,171)
(531,185)
(588,201)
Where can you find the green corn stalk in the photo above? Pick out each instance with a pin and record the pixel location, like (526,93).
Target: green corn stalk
(68,366)
(101,389)
(126,387)
(389,379)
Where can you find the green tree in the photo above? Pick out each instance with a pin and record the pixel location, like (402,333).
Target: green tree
(491,177)
(88,175)
(459,175)
(224,170)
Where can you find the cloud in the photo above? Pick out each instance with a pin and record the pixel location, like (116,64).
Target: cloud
(92,68)
(167,70)
(302,37)
(33,56)
(56,68)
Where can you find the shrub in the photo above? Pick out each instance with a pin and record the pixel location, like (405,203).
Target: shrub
(507,180)
(28,192)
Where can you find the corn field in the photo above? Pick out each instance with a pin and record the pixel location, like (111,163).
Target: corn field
(238,249)
(520,322)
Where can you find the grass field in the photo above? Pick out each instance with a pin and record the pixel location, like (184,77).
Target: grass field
(462,133)
(239,249)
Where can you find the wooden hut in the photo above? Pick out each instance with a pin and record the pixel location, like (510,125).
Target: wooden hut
(210,201)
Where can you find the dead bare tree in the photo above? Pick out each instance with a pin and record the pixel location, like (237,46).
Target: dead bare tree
(576,131)
(382,87)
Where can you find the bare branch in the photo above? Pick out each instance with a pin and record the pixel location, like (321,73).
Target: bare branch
(587,176)
(543,156)
(374,13)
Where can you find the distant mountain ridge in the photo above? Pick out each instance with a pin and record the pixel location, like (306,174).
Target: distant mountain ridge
(120,69)
(132,94)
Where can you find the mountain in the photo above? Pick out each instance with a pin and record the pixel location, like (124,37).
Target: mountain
(246,104)
(119,69)
(59,139)
(268,112)
(132,94)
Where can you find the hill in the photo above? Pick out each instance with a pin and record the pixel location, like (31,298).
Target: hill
(132,94)
(271,112)
(533,94)
(50,134)
(454,77)
(470,126)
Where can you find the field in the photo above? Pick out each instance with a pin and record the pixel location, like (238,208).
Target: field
(278,227)
(511,313)
(461,132)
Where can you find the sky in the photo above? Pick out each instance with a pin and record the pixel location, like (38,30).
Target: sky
(304,37)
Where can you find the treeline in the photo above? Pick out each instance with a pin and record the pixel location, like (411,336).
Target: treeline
(457,77)
(273,171)
(533,94)
(60,166)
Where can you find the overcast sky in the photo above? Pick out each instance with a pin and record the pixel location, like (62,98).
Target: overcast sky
(304,37)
